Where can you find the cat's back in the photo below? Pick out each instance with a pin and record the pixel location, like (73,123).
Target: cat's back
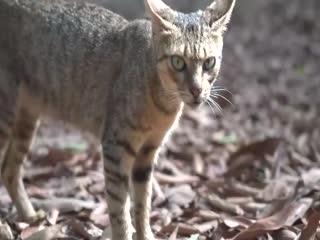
(64,53)
(57,9)
(24,20)
(65,11)
(21,12)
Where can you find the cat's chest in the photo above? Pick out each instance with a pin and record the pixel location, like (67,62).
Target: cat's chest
(161,124)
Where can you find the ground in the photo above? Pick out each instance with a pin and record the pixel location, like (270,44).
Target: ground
(251,171)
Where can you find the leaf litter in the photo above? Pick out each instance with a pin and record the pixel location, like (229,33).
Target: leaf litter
(251,174)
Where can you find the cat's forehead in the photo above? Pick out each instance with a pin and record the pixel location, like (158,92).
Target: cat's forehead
(194,39)
(188,20)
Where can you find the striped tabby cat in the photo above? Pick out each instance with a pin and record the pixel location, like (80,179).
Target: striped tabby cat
(123,82)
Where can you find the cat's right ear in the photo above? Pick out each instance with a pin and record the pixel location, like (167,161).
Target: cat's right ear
(161,15)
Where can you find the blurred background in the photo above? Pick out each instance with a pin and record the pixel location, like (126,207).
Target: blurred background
(257,159)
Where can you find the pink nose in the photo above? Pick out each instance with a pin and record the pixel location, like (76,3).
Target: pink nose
(196,91)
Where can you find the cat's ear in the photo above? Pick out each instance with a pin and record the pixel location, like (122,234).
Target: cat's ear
(218,14)
(161,15)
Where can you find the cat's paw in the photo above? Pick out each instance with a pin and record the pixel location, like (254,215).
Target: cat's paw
(38,216)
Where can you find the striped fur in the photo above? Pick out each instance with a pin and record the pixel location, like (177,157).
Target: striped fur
(109,77)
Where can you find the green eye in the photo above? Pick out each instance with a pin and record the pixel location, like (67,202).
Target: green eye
(178,63)
(209,63)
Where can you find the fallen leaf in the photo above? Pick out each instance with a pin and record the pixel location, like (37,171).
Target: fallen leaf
(181,195)
(174,234)
(311,229)
(285,217)
(246,154)
(49,233)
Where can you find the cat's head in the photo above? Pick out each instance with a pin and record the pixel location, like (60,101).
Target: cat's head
(188,47)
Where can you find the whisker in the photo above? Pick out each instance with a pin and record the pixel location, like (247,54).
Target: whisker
(223,97)
(210,107)
(220,90)
(213,87)
(215,104)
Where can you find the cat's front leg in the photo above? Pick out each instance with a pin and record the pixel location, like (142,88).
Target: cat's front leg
(117,165)
(142,191)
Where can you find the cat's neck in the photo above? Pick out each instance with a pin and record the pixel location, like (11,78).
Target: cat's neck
(162,98)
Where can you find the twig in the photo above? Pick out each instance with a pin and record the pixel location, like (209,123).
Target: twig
(183,229)
(157,189)
(208,215)
(167,179)
(224,205)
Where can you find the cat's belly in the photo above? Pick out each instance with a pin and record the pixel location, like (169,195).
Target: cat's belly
(83,110)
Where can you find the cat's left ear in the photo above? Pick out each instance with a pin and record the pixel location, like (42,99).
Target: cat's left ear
(161,15)
(218,14)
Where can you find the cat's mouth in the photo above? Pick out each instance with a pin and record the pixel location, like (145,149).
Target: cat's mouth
(193,102)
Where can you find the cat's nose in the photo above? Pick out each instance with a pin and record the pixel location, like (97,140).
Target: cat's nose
(196,91)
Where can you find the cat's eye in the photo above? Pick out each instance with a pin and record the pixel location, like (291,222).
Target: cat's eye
(209,64)
(178,63)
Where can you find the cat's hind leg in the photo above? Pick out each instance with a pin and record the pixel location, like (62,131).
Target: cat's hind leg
(7,110)
(17,143)
(8,100)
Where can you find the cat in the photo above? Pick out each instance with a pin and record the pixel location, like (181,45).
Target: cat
(124,82)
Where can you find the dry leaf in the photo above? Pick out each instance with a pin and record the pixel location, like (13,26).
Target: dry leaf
(286,217)
(311,229)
